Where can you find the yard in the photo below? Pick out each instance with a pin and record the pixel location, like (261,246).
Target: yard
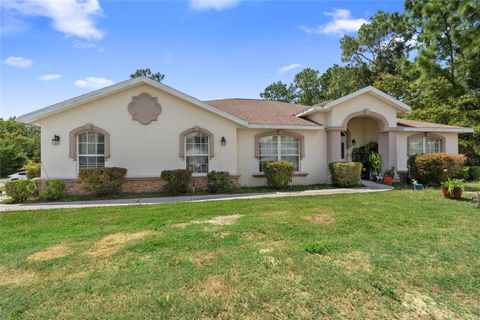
(398,254)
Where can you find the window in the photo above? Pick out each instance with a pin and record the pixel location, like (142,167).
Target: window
(279,148)
(197,152)
(423,145)
(91,150)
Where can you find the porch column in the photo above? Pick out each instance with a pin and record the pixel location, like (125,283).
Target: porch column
(387,147)
(334,141)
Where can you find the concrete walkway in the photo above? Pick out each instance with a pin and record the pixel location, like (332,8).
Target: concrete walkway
(369,187)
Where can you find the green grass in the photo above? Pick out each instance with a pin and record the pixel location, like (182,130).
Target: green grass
(472,186)
(397,254)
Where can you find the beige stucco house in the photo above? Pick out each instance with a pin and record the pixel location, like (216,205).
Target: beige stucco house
(147,127)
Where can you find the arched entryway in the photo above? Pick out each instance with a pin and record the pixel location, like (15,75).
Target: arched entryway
(359,129)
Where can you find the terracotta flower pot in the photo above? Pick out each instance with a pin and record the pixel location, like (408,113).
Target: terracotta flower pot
(445,192)
(456,194)
(388,180)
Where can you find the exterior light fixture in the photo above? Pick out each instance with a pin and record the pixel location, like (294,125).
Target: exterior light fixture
(56,140)
(223,141)
(354,142)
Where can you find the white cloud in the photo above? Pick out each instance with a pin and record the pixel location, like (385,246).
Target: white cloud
(48,77)
(84,45)
(218,5)
(18,62)
(93,83)
(342,22)
(290,67)
(71,17)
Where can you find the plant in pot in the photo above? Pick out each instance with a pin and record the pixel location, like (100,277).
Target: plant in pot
(452,188)
(416,185)
(388,176)
(375,163)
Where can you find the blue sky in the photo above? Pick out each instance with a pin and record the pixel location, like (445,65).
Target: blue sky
(52,51)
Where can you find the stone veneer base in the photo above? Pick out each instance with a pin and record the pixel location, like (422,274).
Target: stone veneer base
(136,185)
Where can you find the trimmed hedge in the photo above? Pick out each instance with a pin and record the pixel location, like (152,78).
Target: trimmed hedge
(278,173)
(346,174)
(20,190)
(218,181)
(433,168)
(177,181)
(102,181)
(52,190)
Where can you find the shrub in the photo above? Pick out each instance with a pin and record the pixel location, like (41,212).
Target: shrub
(32,169)
(177,181)
(102,181)
(218,181)
(278,173)
(474,173)
(317,248)
(52,190)
(433,168)
(464,173)
(346,174)
(375,163)
(20,190)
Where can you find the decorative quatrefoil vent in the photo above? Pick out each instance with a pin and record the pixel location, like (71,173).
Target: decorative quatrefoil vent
(144,108)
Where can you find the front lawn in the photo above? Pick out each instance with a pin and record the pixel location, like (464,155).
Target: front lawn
(397,254)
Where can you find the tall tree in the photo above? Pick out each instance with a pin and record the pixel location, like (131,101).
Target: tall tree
(18,142)
(148,73)
(307,85)
(279,91)
(382,45)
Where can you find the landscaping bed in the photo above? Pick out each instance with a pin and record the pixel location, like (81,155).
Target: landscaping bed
(400,254)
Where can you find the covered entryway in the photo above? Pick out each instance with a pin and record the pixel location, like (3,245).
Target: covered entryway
(359,129)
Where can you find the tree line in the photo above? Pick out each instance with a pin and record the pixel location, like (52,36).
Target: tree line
(428,57)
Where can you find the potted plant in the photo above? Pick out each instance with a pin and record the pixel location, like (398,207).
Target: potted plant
(375,163)
(388,176)
(416,185)
(452,188)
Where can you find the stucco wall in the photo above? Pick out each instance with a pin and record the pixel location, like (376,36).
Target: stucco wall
(451,145)
(358,104)
(363,130)
(314,163)
(145,150)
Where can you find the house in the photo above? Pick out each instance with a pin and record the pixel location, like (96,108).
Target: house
(146,127)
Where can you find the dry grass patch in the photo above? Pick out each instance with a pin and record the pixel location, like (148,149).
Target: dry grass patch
(211,286)
(16,276)
(110,244)
(203,258)
(421,306)
(354,261)
(49,253)
(321,218)
(217,221)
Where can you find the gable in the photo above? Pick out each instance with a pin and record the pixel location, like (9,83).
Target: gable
(116,89)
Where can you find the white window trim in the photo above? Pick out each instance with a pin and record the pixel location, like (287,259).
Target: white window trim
(279,151)
(424,144)
(89,155)
(197,174)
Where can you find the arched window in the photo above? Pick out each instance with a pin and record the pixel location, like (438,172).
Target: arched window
(90,150)
(197,152)
(279,148)
(424,144)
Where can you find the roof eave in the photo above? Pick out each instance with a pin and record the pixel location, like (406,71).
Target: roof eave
(284,126)
(453,130)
